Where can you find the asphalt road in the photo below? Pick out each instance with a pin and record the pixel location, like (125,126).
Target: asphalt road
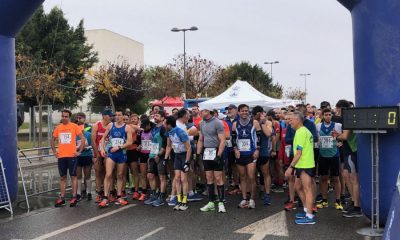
(137,221)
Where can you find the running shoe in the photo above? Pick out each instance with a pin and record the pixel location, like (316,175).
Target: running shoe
(177,206)
(243,204)
(111,198)
(89,197)
(304,221)
(158,202)
(277,189)
(209,207)
(234,191)
(338,206)
(323,204)
(183,207)
(319,198)
(142,197)
(348,208)
(73,202)
(221,207)
(150,200)
(267,199)
(104,203)
(135,196)
(194,197)
(78,197)
(60,202)
(121,201)
(98,198)
(300,215)
(173,201)
(353,212)
(314,208)
(252,204)
(84,194)
(290,206)
(123,195)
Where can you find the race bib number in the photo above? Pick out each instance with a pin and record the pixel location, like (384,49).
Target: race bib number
(228,143)
(146,145)
(65,138)
(288,149)
(244,145)
(209,154)
(117,142)
(326,141)
(155,148)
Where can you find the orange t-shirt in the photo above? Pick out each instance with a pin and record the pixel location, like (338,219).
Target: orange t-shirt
(66,134)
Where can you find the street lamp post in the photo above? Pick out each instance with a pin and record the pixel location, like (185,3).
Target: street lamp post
(305,85)
(271,63)
(184,53)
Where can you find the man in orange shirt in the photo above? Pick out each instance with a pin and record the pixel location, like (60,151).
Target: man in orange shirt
(66,134)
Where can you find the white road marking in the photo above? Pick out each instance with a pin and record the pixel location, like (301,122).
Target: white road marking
(274,225)
(76,225)
(150,233)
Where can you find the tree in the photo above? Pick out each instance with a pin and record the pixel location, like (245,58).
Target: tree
(295,94)
(162,81)
(118,84)
(49,39)
(200,74)
(254,74)
(38,81)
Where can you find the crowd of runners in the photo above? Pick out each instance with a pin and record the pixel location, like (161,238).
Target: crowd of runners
(189,155)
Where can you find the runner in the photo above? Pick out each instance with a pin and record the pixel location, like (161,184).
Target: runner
(232,171)
(66,134)
(179,141)
(329,157)
(196,116)
(98,131)
(144,147)
(120,136)
(132,155)
(156,164)
(303,163)
(263,163)
(350,172)
(85,161)
(246,135)
(211,145)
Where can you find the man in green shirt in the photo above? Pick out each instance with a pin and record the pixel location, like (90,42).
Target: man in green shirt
(304,166)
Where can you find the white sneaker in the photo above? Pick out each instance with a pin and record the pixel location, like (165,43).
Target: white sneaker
(243,204)
(252,204)
(177,206)
(221,207)
(183,207)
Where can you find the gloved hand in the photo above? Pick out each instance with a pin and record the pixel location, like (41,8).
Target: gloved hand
(218,160)
(186,167)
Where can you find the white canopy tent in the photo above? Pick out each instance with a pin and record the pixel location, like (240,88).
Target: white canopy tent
(241,92)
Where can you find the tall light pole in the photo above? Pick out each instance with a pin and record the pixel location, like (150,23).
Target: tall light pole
(305,85)
(184,53)
(271,63)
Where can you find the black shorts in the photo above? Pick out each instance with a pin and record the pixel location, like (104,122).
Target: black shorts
(350,162)
(231,157)
(262,161)
(245,160)
(144,157)
(84,161)
(159,168)
(211,165)
(67,164)
(316,156)
(328,165)
(342,154)
(132,156)
(179,161)
(309,171)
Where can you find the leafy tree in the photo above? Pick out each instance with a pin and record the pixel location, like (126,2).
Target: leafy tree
(201,73)
(162,81)
(295,94)
(254,74)
(118,85)
(48,39)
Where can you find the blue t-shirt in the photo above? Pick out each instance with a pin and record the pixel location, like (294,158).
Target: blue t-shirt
(87,152)
(178,138)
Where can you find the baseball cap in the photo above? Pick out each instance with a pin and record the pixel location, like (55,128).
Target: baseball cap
(107,112)
(231,106)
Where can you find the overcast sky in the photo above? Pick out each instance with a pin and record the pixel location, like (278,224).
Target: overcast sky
(305,36)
